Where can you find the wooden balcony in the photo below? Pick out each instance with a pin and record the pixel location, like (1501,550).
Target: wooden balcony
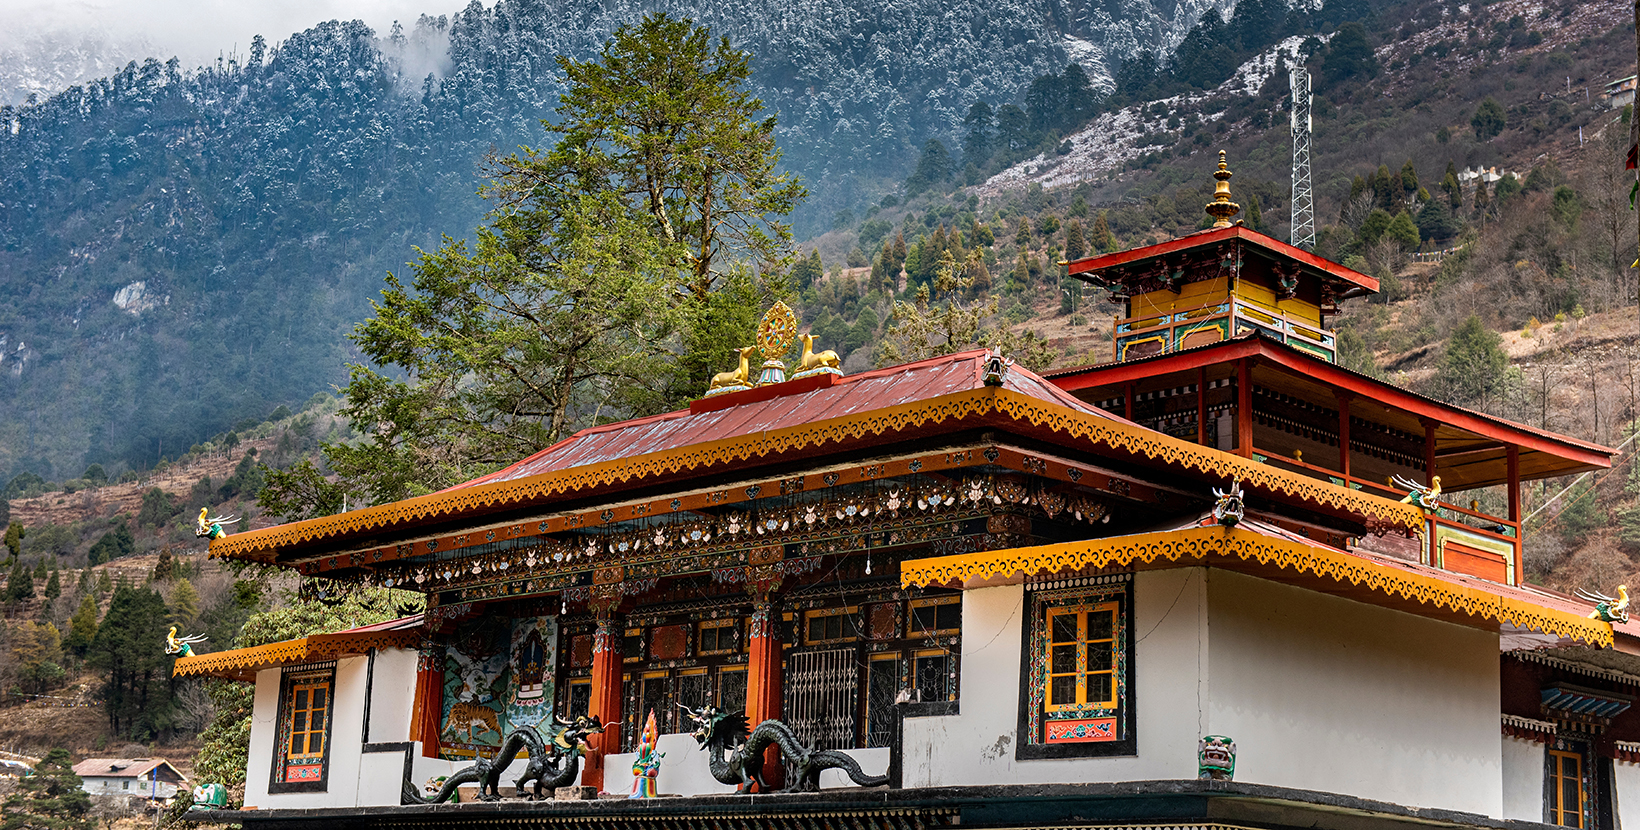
(1136,337)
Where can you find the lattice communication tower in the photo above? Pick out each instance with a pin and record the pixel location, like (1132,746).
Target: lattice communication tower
(1303,225)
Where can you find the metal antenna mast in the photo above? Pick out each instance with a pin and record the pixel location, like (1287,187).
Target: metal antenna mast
(1303,205)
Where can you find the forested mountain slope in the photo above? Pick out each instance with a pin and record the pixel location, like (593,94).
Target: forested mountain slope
(183,248)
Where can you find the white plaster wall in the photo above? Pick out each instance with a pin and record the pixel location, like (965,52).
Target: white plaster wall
(393,695)
(977,746)
(346,729)
(1523,780)
(1626,776)
(1323,693)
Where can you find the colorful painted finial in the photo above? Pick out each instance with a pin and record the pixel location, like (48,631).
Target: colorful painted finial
(1608,609)
(1221,208)
(181,646)
(646,768)
(211,528)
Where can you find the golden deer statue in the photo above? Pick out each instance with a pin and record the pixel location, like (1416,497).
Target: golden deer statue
(811,360)
(739,377)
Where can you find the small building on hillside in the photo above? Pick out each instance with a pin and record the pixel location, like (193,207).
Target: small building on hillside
(151,778)
(1214,583)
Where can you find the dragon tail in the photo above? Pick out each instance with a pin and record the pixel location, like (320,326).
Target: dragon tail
(831,759)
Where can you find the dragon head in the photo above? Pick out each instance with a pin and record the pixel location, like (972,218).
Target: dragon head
(571,735)
(713,725)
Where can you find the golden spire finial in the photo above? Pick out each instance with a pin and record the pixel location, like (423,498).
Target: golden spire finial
(1221,208)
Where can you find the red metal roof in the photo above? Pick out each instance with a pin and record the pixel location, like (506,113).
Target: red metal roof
(851,394)
(1274,247)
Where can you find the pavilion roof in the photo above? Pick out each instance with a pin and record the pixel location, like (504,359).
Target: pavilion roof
(1470,444)
(806,421)
(1120,266)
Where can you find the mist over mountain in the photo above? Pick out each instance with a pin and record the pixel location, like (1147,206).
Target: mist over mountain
(185,248)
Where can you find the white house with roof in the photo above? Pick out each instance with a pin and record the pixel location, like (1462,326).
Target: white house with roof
(152,778)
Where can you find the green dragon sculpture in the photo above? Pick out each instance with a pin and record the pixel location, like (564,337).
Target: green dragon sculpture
(552,763)
(736,756)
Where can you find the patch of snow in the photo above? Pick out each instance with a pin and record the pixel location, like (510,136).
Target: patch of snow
(1092,59)
(1250,77)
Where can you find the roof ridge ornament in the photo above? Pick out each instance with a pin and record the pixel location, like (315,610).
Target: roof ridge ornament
(1221,208)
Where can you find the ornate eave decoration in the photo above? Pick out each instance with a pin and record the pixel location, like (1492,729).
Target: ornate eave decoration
(877,426)
(243,663)
(1415,591)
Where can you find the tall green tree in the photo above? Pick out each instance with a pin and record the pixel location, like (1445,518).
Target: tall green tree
(19,583)
(129,651)
(14,539)
(82,627)
(616,272)
(1488,120)
(51,799)
(663,119)
(1476,369)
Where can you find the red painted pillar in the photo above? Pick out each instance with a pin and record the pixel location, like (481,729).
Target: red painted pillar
(764,668)
(606,696)
(1244,408)
(1429,453)
(1514,505)
(428,709)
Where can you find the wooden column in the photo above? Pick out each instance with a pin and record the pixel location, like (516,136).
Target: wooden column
(606,695)
(1201,406)
(1514,505)
(1344,437)
(1429,453)
(428,709)
(1127,401)
(1244,408)
(764,670)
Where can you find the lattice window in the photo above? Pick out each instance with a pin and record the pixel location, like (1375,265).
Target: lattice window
(935,616)
(719,636)
(822,690)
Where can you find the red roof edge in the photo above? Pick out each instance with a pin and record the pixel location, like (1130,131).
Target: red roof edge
(1207,237)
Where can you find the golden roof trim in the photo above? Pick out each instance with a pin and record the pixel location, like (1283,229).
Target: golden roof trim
(1100,430)
(1218,545)
(243,663)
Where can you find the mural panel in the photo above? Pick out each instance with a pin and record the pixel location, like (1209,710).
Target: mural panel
(498,675)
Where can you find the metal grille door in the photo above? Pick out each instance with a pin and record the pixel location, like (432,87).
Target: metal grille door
(822,689)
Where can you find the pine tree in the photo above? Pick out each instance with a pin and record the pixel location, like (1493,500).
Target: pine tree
(1409,180)
(14,539)
(137,693)
(50,799)
(1476,369)
(1075,244)
(1385,187)
(104,583)
(1102,240)
(1022,232)
(184,603)
(19,585)
(1255,214)
(54,586)
(82,627)
(1489,120)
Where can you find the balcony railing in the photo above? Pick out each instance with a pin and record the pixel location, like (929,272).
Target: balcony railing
(1144,336)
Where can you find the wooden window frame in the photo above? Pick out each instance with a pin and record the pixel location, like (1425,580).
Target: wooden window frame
(1081,671)
(911,630)
(718,625)
(290,681)
(1098,729)
(1557,810)
(643,646)
(850,635)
